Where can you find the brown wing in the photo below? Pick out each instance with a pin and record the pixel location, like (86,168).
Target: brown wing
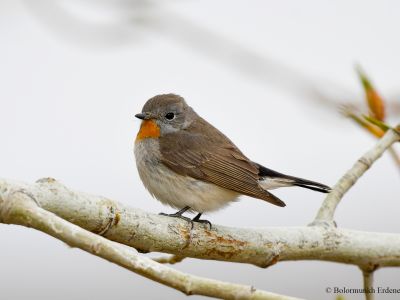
(213,158)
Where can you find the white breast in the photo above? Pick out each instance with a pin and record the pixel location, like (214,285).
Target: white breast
(176,190)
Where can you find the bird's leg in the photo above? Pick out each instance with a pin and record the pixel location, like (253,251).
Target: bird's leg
(178,214)
(197,219)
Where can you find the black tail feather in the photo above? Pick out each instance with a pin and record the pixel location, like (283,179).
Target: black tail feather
(315,186)
(304,183)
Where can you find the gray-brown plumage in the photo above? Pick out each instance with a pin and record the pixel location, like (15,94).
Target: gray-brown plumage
(187,163)
(212,157)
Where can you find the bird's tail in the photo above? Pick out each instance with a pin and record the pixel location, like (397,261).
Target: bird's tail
(275,179)
(312,185)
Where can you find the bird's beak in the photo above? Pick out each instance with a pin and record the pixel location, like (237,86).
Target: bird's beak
(143,116)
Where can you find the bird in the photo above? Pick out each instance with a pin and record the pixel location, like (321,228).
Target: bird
(188,164)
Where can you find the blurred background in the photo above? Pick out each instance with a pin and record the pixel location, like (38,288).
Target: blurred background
(269,74)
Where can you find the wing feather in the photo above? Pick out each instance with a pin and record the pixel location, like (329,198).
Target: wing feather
(213,159)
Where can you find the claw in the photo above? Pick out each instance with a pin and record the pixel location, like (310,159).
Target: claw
(197,220)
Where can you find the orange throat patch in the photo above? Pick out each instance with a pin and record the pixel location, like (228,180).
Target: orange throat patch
(148,129)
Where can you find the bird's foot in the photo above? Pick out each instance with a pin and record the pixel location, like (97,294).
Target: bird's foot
(197,220)
(176,215)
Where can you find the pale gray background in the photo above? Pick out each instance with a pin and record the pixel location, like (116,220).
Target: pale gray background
(74,73)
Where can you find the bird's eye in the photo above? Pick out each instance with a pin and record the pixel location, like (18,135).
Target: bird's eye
(170,116)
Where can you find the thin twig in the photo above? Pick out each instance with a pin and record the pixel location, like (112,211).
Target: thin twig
(368,279)
(328,207)
(395,156)
(20,209)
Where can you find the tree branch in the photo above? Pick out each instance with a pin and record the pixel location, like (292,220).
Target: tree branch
(50,207)
(327,210)
(259,246)
(21,208)
(171,259)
